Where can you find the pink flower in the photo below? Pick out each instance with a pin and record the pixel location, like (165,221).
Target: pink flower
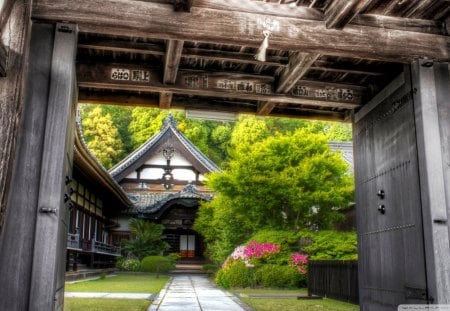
(257,250)
(299,260)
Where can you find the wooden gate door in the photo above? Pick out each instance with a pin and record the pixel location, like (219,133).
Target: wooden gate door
(388,203)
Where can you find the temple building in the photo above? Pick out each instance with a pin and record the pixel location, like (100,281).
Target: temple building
(164,179)
(96,201)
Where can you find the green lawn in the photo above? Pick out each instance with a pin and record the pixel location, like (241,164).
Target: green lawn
(291,304)
(122,283)
(83,304)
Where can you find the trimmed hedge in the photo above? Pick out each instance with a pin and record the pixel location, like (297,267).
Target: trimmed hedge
(157,264)
(279,276)
(236,274)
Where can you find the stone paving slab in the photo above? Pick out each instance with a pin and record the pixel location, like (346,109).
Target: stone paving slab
(195,293)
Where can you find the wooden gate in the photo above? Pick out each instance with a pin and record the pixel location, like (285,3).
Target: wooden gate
(389,216)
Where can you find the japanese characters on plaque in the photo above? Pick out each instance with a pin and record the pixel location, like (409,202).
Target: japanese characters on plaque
(121,74)
(195,81)
(327,93)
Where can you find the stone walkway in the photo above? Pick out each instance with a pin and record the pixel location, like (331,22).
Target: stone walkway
(195,293)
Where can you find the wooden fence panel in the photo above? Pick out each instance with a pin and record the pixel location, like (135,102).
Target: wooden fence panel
(334,279)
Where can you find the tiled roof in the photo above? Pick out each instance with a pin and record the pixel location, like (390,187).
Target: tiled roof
(169,124)
(346,148)
(149,203)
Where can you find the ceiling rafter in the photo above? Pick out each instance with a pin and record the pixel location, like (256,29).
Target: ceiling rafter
(339,13)
(174,49)
(172,59)
(298,66)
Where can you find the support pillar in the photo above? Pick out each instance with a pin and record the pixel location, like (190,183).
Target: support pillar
(33,240)
(432,113)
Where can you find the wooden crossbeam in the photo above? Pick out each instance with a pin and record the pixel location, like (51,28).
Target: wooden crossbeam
(339,13)
(243,28)
(136,78)
(174,49)
(299,64)
(3,57)
(165,100)
(106,97)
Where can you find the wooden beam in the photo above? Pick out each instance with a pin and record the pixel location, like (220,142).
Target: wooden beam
(127,77)
(117,98)
(265,108)
(174,49)
(3,57)
(165,100)
(299,64)
(182,5)
(216,55)
(102,97)
(124,47)
(242,28)
(154,49)
(6,7)
(339,13)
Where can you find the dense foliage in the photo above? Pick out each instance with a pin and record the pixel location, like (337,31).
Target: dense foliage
(287,181)
(132,126)
(278,258)
(146,239)
(262,264)
(102,137)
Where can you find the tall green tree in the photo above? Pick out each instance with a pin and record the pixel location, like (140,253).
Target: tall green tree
(102,137)
(285,181)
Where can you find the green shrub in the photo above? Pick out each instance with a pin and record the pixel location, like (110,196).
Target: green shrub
(279,276)
(128,264)
(174,257)
(280,237)
(157,264)
(331,245)
(236,274)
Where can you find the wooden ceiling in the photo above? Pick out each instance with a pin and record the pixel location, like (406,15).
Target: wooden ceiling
(325,58)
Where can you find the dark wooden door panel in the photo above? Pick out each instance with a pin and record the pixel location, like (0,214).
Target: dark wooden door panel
(389,217)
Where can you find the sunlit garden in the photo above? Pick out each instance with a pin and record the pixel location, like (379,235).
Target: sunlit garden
(278,200)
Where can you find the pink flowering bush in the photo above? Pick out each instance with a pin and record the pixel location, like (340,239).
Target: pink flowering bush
(258,250)
(300,261)
(263,264)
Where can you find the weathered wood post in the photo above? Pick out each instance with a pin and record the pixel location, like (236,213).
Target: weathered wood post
(432,112)
(34,239)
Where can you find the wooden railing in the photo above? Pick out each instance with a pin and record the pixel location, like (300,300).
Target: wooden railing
(73,241)
(92,246)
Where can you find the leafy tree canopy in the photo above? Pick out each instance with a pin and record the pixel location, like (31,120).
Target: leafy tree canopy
(102,137)
(284,181)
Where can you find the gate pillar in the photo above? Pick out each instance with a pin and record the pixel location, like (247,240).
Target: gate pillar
(33,240)
(432,113)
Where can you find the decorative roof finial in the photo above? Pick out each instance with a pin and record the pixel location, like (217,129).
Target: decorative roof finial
(170,120)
